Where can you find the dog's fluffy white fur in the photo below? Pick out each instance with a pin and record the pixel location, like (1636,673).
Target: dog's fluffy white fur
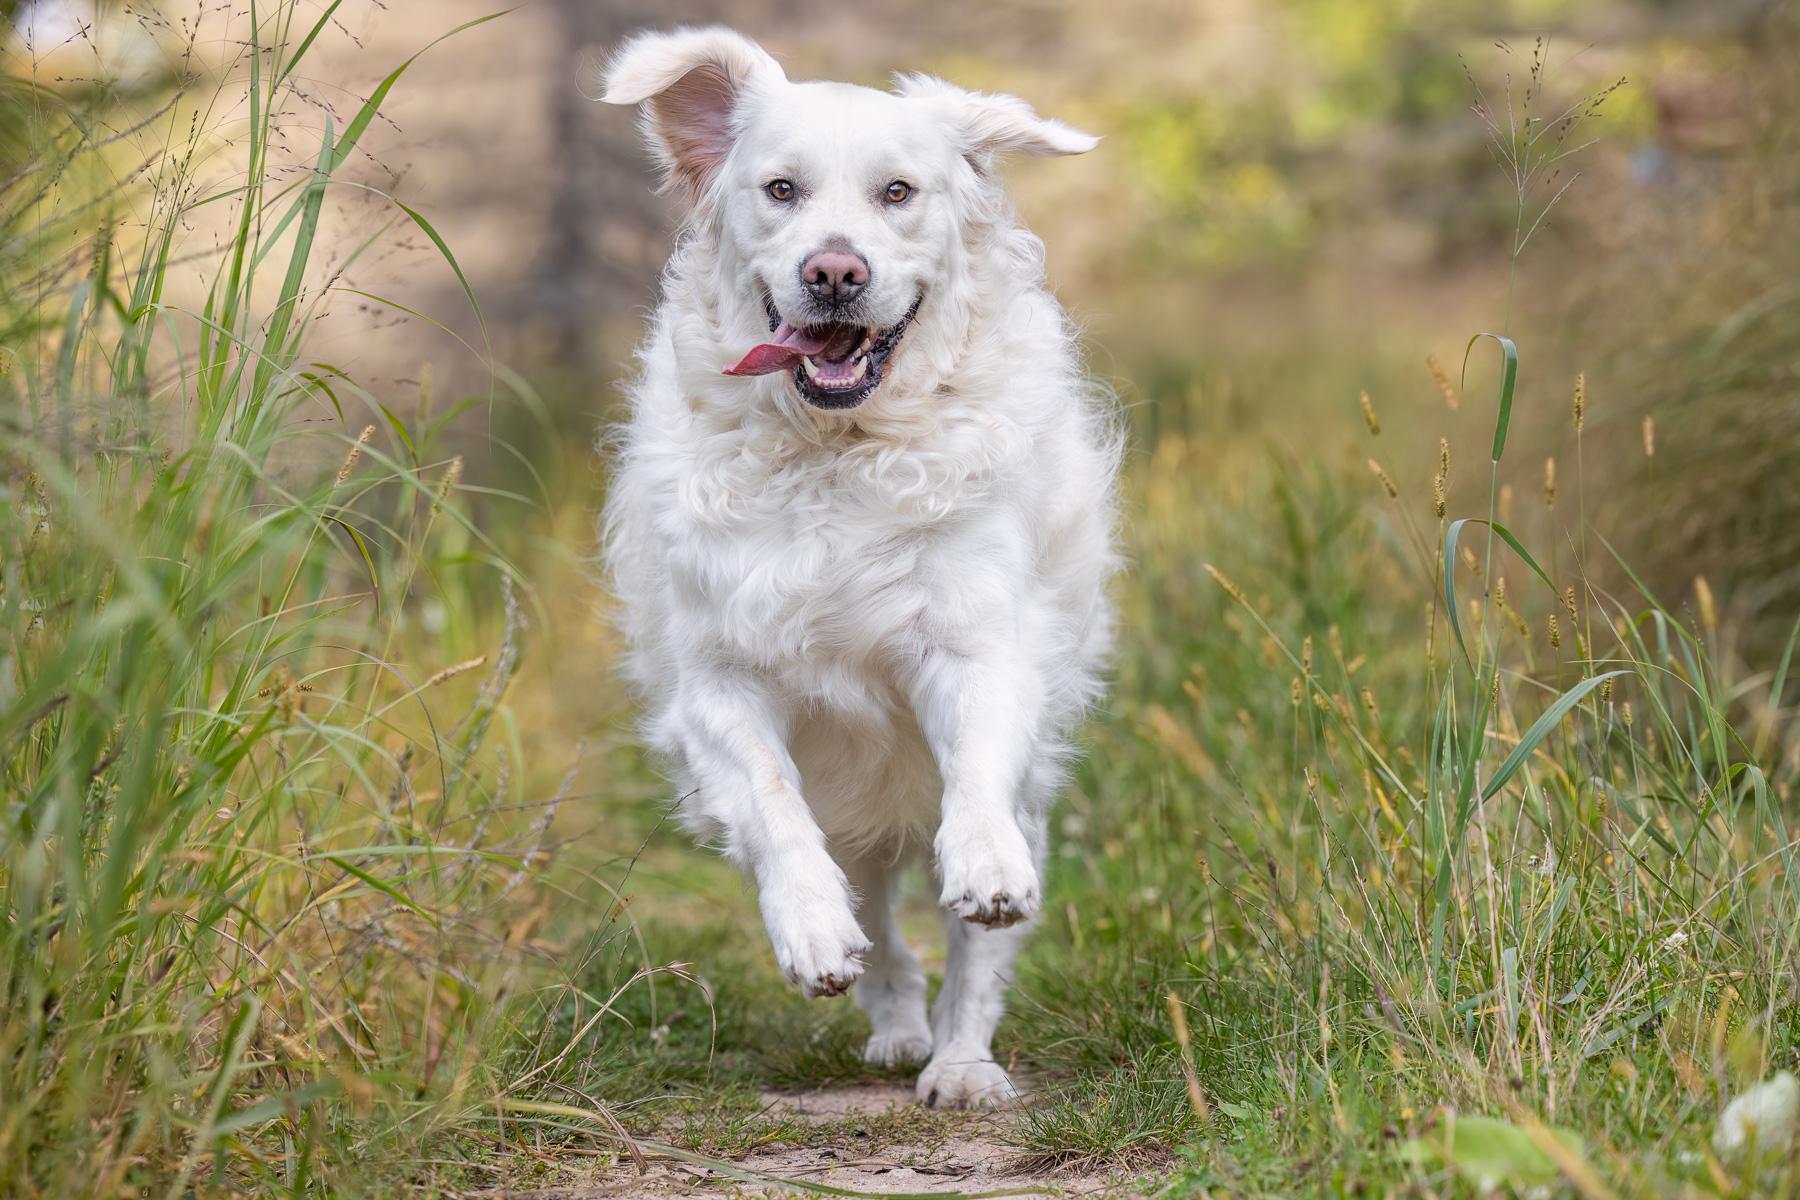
(862,636)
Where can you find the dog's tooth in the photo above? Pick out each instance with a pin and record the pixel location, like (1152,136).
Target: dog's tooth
(866,343)
(812,370)
(862,368)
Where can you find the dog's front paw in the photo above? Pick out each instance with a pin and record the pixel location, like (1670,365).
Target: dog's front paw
(822,961)
(888,1049)
(958,1081)
(989,881)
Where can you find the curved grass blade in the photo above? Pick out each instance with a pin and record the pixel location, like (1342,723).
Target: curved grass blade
(1540,729)
(1508,377)
(1450,536)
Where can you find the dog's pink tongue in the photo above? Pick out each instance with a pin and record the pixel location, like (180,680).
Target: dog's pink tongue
(789,346)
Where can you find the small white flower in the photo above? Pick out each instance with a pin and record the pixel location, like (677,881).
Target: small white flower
(1675,941)
(1769,1108)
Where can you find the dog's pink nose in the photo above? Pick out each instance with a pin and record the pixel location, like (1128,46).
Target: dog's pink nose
(835,275)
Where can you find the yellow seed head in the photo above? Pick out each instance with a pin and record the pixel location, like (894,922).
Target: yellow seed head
(1369,418)
(1386,483)
(1298,691)
(1709,615)
(1320,703)
(455,669)
(1442,378)
(1231,589)
(1569,603)
(1500,591)
(1518,621)
(1555,633)
(1494,690)
(362,439)
(1336,637)
(452,476)
(1650,740)
(1444,457)
(1306,655)
(1439,503)
(1606,691)
(1578,405)
(1550,483)
(1649,437)
(1342,705)
(1625,713)
(1368,702)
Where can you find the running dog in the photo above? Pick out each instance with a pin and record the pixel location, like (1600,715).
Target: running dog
(860,523)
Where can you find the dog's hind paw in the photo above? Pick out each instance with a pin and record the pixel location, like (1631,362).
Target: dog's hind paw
(887,1049)
(954,1082)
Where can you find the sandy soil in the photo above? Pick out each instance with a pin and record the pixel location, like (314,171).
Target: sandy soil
(968,1159)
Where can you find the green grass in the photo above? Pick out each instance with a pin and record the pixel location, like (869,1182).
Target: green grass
(299,899)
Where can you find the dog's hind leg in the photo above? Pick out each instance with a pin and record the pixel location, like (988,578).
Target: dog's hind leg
(892,987)
(978,967)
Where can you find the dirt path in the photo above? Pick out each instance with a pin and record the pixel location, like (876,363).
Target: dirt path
(867,1138)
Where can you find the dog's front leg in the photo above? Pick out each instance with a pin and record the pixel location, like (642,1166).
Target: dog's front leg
(734,747)
(980,717)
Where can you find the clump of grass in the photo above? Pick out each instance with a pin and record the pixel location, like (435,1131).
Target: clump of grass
(1542,891)
(271,869)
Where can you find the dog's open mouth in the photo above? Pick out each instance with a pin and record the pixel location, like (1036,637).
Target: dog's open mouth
(835,365)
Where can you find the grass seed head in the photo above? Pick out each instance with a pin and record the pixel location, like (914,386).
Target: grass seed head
(1625,713)
(1297,690)
(452,476)
(1439,504)
(1649,437)
(1549,483)
(362,439)
(1336,637)
(1500,590)
(1703,596)
(1231,589)
(1442,378)
(1606,691)
(1444,457)
(1578,404)
(1569,603)
(1369,417)
(1387,484)
(1555,634)
(1368,702)
(1306,655)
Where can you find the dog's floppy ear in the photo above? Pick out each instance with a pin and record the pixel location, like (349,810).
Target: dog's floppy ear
(993,124)
(688,82)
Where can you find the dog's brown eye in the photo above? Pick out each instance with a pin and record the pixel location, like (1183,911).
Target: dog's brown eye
(781,189)
(897,192)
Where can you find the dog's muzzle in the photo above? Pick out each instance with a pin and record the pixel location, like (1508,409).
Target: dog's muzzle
(836,365)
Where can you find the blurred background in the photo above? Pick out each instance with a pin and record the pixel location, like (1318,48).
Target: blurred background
(1293,201)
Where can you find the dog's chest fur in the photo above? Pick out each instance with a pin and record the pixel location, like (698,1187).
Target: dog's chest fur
(825,563)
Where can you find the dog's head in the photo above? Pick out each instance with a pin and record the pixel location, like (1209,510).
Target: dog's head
(839,211)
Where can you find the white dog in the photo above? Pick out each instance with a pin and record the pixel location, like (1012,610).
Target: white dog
(860,524)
